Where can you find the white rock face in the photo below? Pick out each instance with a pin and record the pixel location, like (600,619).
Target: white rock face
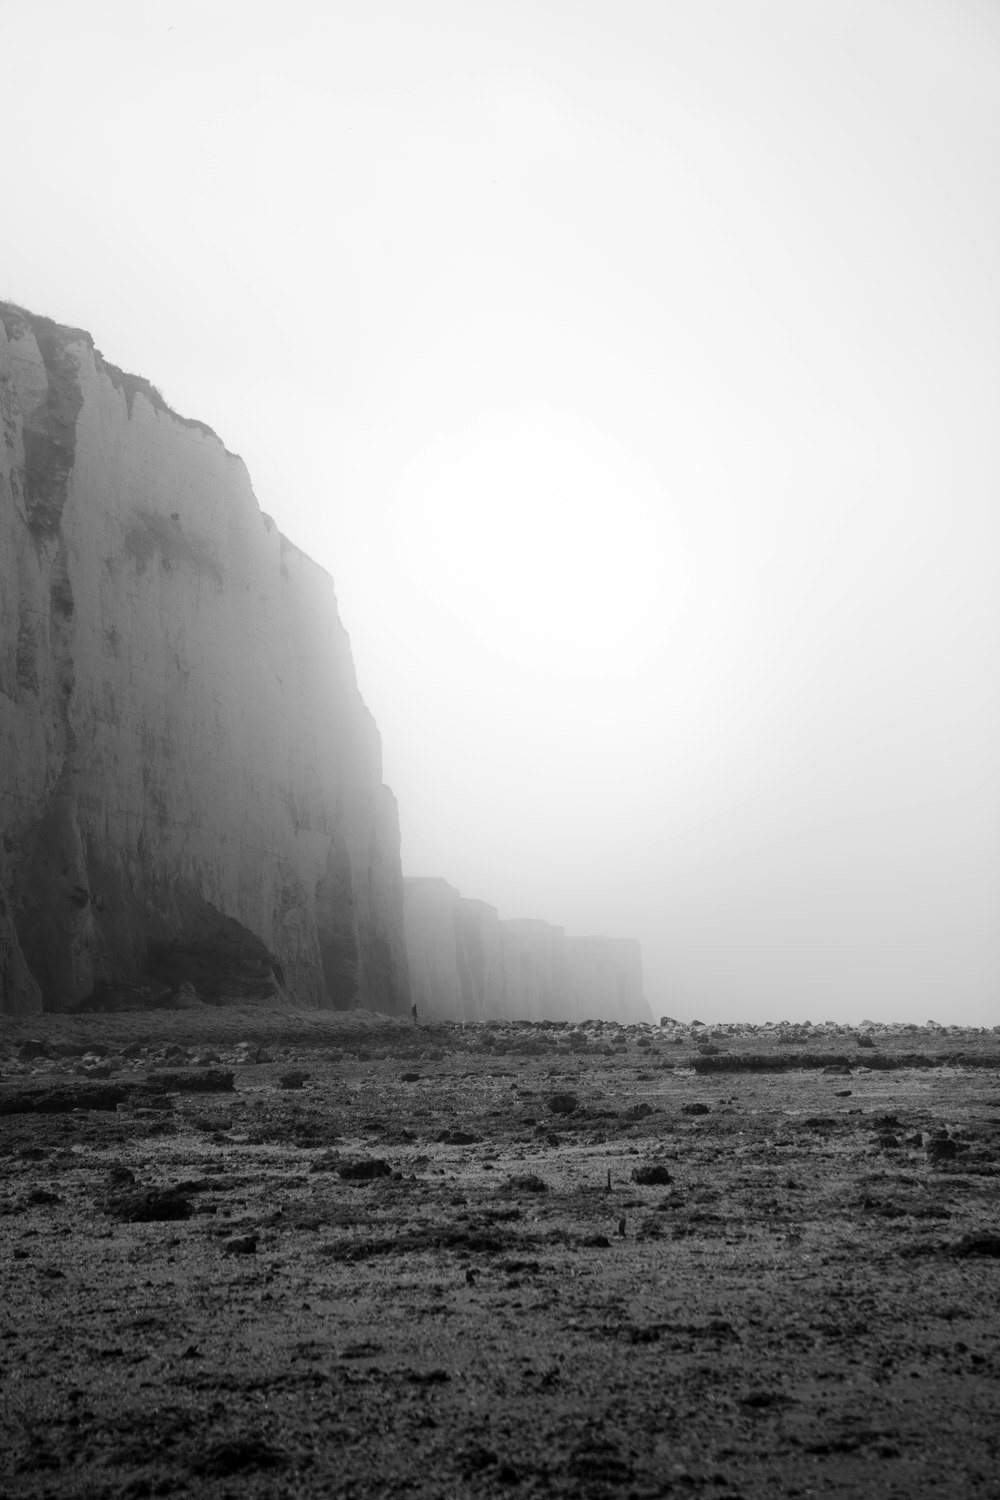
(190,783)
(467,965)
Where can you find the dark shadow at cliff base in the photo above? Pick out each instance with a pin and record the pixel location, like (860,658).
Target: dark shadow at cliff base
(226,965)
(212,960)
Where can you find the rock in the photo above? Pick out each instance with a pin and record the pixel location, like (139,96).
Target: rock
(364,1171)
(980,1242)
(148,1205)
(31,1049)
(293,1080)
(39,1196)
(191,1081)
(638,1112)
(528,1183)
(941,1150)
(61,1098)
(695,1109)
(241,1244)
(93,1070)
(458,1138)
(238,1456)
(563,1104)
(651,1175)
(249,851)
(474,1459)
(185,997)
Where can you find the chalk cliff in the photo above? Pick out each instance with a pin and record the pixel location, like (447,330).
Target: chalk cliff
(468,965)
(190,784)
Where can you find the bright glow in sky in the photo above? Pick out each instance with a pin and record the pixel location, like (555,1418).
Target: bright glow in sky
(634,368)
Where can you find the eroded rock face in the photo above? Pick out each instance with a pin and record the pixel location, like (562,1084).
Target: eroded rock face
(190,783)
(468,965)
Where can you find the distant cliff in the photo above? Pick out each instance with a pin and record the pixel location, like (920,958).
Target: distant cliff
(190,784)
(468,965)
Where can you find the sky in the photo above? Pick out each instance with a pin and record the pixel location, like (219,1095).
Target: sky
(634,368)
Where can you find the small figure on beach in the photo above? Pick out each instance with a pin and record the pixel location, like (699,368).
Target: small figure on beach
(413,1012)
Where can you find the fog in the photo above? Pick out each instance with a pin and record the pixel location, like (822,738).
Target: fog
(634,368)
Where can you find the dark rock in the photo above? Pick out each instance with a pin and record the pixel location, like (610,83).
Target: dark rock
(596,1242)
(191,1080)
(31,1049)
(980,1242)
(457,1138)
(941,1150)
(819,1122)
(529,1183)
(409,1078)
(474,1459)
(237,1455)
(651,1175)
(638,1112)
(292,1080)
(241,1244)
(148,1206)
(61,1098)
(364,1171)
(563,1104)
(39,1196)
(121,1177)
(695,1109)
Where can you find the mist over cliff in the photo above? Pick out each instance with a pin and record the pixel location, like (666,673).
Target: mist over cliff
(191,784)
(468,965)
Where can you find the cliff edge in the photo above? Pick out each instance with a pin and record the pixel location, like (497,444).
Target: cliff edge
(190,783)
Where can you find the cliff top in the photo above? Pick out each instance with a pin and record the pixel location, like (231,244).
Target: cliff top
(48,332)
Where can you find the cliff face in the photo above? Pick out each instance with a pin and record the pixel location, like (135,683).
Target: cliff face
(467,965)
(190,784)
